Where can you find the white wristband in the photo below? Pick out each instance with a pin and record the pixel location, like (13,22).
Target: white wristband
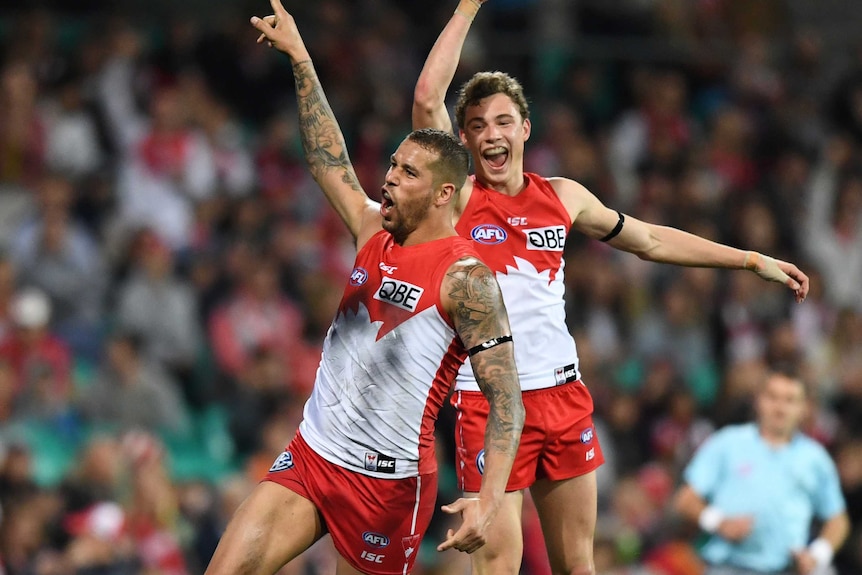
(710,518)
(822,552)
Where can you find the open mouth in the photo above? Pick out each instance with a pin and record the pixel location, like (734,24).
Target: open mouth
(386,204)
(496,157)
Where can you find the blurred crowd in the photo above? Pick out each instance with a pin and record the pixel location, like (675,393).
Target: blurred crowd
(168,269)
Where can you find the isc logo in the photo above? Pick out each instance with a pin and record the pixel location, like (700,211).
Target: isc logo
(550,239)
(375,539)
(488,234)
(398,293)
(373,557)
(379,462)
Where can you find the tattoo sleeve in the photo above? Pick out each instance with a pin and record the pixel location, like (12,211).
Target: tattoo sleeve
(478,312)
(322,139)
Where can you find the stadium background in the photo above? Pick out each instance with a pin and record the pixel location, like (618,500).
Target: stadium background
(168,268)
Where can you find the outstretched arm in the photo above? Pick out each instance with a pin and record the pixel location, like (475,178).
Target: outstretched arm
(429,105)
(322,140)
(669,245)
(472,297)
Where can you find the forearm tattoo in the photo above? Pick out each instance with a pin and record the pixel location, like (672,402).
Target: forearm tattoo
(322,140)
(479,315)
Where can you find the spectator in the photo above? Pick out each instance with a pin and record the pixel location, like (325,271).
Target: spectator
(132,392)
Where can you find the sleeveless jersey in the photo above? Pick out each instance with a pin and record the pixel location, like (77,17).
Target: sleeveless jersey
(389,360)
(521,238)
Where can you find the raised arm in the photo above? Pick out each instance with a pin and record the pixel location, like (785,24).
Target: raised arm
(666,244)
(322,140)
(472,297)
(429,97)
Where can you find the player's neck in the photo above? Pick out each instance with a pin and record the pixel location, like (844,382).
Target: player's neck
(511,186)
(428,232)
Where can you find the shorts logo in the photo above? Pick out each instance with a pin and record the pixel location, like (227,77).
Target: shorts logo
(488,234)
(587,435)
(375,539)
(388,269)
(549,239)
(282,462)
(373,557)
(358,276)
(400,294)
(379,462)
(480,462)
(409,544)
(591,454)
(565,374)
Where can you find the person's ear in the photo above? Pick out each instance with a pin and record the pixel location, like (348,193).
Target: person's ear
(528,128)
(445,193)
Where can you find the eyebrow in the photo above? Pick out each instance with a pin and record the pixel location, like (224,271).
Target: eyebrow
(405,165)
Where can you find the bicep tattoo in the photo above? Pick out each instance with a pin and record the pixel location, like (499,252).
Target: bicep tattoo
(480,319)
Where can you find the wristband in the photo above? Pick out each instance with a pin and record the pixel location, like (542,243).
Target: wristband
(468,9)
(710,518)
(822,552)
(751,260)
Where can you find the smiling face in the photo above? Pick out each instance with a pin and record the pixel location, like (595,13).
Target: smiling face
(495,132)
(409,190)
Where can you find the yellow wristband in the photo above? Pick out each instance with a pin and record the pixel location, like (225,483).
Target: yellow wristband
(751,261)
(468,9)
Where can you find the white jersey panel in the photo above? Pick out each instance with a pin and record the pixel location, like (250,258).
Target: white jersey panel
(369,399)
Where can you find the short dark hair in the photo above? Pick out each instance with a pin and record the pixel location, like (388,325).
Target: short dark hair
(484,84)
(790,372)
(453,159)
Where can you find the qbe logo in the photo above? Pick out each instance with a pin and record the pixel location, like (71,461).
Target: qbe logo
(358,276)
(375,539)
(379,462)
(400,294)
(480,462)
(587,435)
(549,239)
(282,462)
(488,234)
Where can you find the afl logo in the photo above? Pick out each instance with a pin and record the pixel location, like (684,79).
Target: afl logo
(375,539)
(587,435)
(358,276)
(488,234)
(480,462)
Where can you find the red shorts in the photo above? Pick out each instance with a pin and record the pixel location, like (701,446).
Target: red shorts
(375,524)
(558,441)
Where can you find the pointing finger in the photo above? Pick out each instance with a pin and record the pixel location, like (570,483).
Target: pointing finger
(277,8)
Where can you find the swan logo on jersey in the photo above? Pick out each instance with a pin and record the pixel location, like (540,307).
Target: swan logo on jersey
(549,239)
(480,462)
(379,462)
(282,462)
(565,374)
(358,276)
(488,234)
(399,293)
(375,539)
(587,435)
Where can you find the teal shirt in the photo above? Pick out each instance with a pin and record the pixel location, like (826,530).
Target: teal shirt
(782,488)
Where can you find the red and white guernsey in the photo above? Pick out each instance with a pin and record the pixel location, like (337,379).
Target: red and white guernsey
(521,238)
(389,360)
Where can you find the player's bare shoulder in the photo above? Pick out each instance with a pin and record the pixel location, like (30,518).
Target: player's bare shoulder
(575,197)
(472,297)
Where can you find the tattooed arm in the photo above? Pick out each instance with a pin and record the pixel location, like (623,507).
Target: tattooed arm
(322,140)
(472,298)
